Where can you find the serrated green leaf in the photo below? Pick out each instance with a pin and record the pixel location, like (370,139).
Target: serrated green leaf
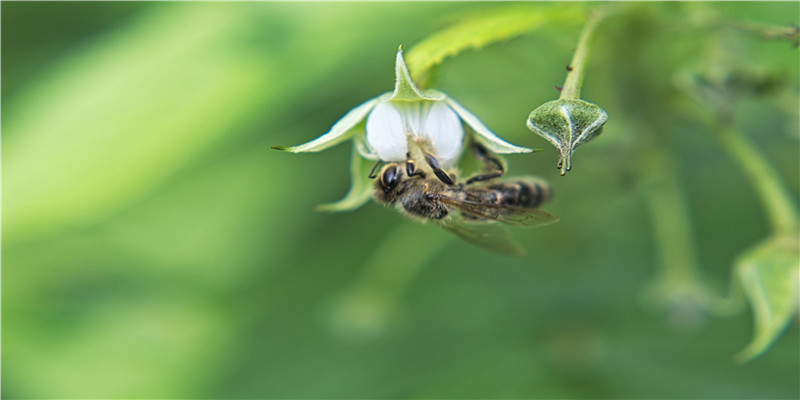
(485,27)
(360,187)
(567,124)
(769,275)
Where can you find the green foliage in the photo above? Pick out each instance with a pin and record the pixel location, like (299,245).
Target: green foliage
(767,273)
(155,247)
(478,29)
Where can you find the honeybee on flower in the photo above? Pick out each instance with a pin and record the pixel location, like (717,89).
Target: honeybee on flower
(419,137)
(395,124)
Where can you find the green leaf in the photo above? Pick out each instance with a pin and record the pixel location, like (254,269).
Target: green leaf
(769,275)
(567,124)
(360,189)
(339,132)
(485,27)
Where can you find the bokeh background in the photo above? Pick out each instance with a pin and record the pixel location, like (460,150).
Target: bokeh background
(153,246)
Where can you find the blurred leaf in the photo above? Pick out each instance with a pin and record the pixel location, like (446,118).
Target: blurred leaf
(770,275)
(113,122)
(142,104)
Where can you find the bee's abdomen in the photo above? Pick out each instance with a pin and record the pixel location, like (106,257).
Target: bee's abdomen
(526,193)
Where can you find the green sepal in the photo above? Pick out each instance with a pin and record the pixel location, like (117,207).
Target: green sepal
(769,275)
(360,187)
(567,124)
(404,87)
(340,131)
(483,135)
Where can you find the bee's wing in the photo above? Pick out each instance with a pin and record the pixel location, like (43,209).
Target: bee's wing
(490,236)
(500,212)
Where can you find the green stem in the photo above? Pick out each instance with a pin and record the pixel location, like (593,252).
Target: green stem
(776,199)
(572,85)
(679,278)
(673,231)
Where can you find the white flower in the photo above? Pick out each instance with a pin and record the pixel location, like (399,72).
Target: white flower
(432,125)
(390,126)
(407,117)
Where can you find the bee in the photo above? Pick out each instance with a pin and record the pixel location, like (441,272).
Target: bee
(471,209)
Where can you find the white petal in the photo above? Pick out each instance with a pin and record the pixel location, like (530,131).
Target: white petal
(386,133)
(412,114)
(442,127)
(484,135)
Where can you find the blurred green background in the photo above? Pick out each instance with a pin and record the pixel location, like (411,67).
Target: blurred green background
(153,245)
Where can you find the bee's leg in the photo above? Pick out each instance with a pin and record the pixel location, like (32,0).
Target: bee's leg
(411,169)
(431,160)
(484,177)
(490,162)
(372,172)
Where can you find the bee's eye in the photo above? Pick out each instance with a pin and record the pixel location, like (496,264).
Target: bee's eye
(390,177)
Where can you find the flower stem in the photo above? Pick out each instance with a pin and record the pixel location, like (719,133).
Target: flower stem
(577,68)
(679,284)
(673,230)
(776,199)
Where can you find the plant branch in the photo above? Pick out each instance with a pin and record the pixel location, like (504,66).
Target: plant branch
(577,68)
(777,201)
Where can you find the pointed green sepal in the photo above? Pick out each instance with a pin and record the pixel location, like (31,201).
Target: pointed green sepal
(567,124)
(340,131)
(404,87)
(360,187)
(770,278)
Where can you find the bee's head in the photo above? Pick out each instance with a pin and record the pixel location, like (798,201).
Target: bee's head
(387,182)
(389,177)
